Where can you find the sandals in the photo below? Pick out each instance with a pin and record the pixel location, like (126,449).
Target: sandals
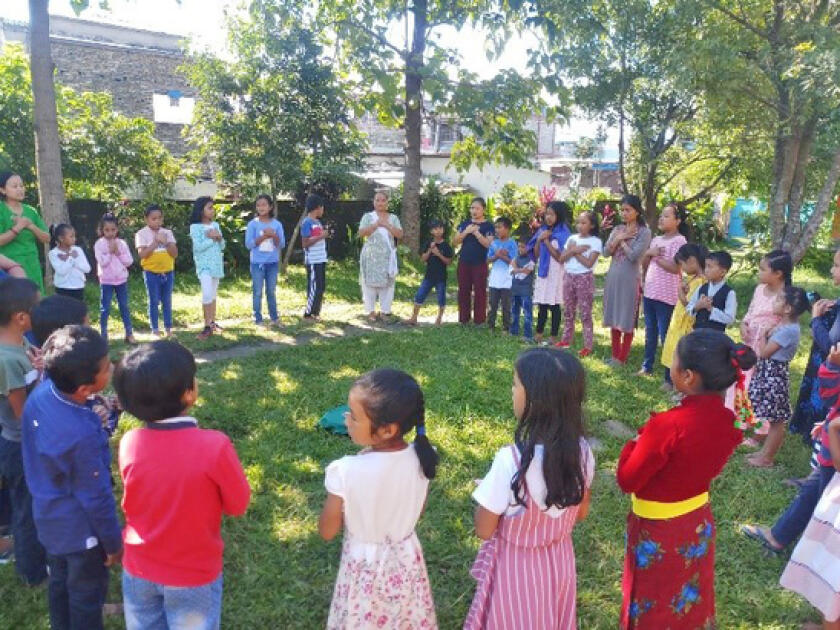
(754,533)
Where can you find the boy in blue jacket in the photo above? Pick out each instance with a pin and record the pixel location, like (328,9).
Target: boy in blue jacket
(67,466)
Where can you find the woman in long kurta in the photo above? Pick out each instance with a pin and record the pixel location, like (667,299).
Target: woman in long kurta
(21,228)
(622,290)
(378,260)
(669,564)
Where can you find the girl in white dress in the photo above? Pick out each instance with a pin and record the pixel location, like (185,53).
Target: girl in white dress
(378,496)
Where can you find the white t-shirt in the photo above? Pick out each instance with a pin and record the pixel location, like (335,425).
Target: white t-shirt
(495,495)
(572,265)
(383,493)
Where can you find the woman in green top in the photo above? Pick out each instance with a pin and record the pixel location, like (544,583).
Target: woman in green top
(21,227)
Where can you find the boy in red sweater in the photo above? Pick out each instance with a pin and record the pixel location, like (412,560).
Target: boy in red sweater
(179,480)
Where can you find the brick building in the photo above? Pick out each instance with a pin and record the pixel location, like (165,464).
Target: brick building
(138,68)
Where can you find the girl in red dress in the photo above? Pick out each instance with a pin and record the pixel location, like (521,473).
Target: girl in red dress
(669,565)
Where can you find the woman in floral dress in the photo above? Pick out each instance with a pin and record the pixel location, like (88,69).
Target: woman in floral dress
(378,260)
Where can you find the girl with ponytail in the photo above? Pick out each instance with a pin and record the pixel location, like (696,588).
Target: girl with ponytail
(528,504)
(378,496)
(774,274)
(669,567)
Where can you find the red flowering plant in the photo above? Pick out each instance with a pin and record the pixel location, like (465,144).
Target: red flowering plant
(547,194)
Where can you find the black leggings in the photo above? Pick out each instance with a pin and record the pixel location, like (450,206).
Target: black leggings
(542,316)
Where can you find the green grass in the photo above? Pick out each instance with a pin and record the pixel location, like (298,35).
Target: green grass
(279,574)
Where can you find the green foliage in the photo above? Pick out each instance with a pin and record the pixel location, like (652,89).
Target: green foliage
(433,205)
(104,154)
(274,118)
(517,203)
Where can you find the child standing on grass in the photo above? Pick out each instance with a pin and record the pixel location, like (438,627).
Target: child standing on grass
(378,496)
(68,261)
(662,280)
(113,260)
(500,254)
(770,386)
(522,289)
(579,257)
(547,245)
(265,239)
(18,377)
(669,563)
(157,251)
(74,509)
(173,505)
(437,255)
(714,304)
(811,568)
(208,245)
(692,259)
(314,238)
(536,491)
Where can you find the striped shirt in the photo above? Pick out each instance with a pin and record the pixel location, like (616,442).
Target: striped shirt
(660,284)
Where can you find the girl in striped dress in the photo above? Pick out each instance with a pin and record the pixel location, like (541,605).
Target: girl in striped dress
(529,502)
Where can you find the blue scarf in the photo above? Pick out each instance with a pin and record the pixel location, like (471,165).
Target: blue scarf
(559,233)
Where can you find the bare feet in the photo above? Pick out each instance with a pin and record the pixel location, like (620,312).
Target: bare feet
(759,461)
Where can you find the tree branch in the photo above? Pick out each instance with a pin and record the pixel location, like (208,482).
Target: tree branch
(377,36)
(684,167)
(740,20)
(705,191)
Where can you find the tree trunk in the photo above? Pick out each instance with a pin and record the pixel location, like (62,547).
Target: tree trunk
(621,172)
(793,227)
(414,127)
(290,243)
(820,210)
(45,119)
(649,194)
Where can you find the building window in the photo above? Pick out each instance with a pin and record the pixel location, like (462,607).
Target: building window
(172,108)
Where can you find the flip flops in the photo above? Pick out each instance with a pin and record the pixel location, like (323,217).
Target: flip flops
(754,533)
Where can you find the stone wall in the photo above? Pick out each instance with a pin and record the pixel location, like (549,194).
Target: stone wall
(131,75)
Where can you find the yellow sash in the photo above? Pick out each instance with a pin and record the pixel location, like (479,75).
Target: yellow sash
(659,511)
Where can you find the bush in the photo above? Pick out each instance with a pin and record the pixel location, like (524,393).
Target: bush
(434,205)
(517,203)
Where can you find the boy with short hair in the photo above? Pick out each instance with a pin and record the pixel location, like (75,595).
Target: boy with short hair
(522,290)
(173,505)
(437,254)
(54,312)
(17,378)
(67,464)
(500,254)
(314,238)
(714,304)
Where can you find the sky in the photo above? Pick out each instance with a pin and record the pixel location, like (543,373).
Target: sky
(203,22)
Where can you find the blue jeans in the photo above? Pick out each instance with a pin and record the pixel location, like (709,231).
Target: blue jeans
(264,273)
(30,557)
(151,606)
(106,292)
(524,303)
(657,318)
(77,589)
(159,287)
(790,525)
(426,288)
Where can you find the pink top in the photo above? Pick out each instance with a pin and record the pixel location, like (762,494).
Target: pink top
(660,284)
(112,268)
(760,316)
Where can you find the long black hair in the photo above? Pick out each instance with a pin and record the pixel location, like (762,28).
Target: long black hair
(555,385)
(197,213)
(5,176)
(692,250)
(711,353)
(57,230)
(779,260)
(682,216)
(636,203)
(394,396)
(562,211)
(270,203)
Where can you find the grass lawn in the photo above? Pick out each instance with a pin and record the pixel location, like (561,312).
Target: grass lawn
(278,572)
